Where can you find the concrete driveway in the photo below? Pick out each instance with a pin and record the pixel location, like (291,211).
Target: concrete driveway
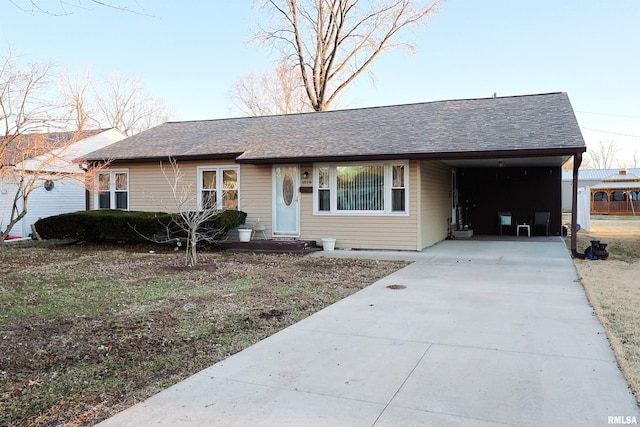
(474,333)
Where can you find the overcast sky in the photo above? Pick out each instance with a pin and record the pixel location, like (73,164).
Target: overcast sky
(191,52)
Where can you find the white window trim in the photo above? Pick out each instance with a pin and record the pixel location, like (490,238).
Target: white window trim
(388,181)
(112,189)
(218,169)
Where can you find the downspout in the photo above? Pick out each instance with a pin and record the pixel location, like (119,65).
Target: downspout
(577,160)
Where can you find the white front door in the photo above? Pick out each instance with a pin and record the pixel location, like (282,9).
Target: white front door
(286,201)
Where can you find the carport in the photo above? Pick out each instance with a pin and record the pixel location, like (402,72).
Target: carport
(521,186)
(523,177)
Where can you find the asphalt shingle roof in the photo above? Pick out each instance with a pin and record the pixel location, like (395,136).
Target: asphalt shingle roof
(30,145)
(431,129)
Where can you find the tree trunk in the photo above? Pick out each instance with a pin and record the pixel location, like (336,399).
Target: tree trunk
(192,257)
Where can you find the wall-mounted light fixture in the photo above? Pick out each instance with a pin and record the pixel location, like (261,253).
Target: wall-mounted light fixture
(305,174)
(500,163)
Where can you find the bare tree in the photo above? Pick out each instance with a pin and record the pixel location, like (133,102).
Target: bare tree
(23,108)
(118,101)
(123,103)
(277,92)
(32,125)
(603,155)
(190,221)
(24,111)
(332,42)
(34,140)
(76,98)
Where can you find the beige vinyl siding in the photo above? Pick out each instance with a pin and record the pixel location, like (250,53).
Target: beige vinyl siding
(150,190)
(398,232)
(435,205)
(255,195)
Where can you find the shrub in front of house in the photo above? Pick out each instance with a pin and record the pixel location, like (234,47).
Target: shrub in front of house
(124,226)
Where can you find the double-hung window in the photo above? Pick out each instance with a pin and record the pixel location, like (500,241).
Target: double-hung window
(218,187)
(362,188)
(113,189)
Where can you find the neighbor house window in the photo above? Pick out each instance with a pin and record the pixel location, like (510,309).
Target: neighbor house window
(113,189)
(367,188)
(218,187)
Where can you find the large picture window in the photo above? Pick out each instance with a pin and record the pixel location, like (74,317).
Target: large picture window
(218,187)
(113,189)
(360,188)
(367,188)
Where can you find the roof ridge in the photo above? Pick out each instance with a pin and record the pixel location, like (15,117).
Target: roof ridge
(373,107)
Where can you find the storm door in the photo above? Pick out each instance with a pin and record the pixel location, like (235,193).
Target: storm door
(286,201)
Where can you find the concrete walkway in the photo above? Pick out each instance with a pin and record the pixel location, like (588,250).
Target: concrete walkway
(477,333)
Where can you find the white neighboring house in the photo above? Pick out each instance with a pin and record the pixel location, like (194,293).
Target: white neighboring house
(61,188)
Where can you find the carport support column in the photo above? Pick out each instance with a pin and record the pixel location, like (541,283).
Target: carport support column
(577,161)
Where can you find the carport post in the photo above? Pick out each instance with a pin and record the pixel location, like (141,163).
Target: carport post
(577,160)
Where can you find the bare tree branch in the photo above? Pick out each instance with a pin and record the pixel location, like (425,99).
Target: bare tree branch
(34,128)
(23,110)
(125,104)
(277,92)
(66,7)
(193,222)
(76,98)
(118,101)
(603,155)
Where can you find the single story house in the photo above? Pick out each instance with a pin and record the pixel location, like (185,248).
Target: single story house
(394,177)
(59,182)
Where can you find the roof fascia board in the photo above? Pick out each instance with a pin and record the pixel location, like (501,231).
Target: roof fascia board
(549,152)
(180,158)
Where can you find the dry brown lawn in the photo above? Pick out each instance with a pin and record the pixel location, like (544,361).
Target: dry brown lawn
(88,331)
(613,288)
